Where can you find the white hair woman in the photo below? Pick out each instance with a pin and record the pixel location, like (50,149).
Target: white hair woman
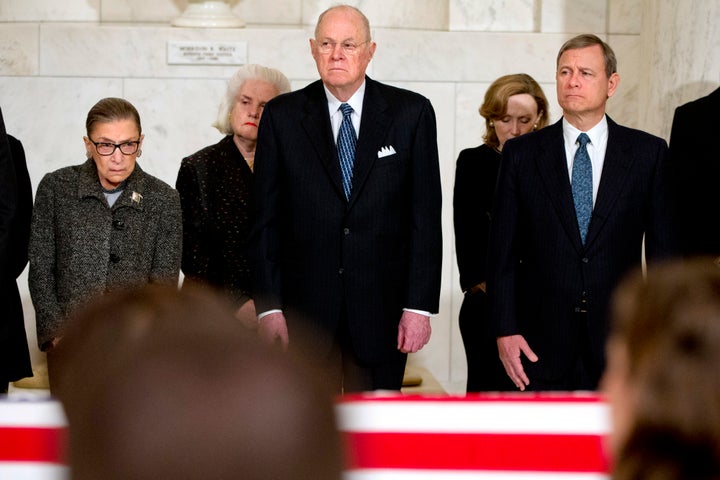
(215,186)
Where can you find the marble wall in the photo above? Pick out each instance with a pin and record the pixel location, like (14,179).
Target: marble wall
(58,58)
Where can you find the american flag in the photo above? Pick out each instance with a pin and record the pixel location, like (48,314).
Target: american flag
(391,437)
(33,437)
(488,437)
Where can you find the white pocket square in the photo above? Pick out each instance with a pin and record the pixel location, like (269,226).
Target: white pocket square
(385,151)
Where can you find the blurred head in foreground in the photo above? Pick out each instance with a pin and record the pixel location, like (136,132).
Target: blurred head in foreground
(662,381)
(161,384)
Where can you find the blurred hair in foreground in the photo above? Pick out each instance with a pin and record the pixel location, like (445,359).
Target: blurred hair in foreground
(166,384)
(662,380)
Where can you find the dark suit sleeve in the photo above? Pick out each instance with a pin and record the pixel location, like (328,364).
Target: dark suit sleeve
(471,220)
(20,229)
(661,235)
(503,258)
(8,199)
(425,267)
(264,241)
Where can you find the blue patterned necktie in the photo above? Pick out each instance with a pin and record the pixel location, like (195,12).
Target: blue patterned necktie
(346,148)
(582,186)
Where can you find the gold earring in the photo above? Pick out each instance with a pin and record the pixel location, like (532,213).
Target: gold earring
(491,123)
(535,127)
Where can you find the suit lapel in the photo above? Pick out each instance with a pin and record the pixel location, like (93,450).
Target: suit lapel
(373,130)
(616,166)
(552,166)
(316,124)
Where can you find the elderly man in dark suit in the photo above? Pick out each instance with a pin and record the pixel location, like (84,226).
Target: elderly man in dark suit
(574,202)
(15,212)
(347,243)
(696,171)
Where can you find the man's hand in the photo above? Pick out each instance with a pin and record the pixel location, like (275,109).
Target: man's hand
(413,332)
(273,329)
(247,316)
(509,349)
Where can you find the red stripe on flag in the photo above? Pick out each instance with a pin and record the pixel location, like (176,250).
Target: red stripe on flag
(21,444)
(452,451)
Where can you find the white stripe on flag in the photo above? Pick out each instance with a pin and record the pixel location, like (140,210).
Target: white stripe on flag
(31,413)
(589,418)
(33,471)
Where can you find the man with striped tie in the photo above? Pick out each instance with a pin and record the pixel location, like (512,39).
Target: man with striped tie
(573,205)
(347,245)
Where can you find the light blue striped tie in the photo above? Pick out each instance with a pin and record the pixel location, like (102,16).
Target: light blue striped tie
(582,186)
(346,148)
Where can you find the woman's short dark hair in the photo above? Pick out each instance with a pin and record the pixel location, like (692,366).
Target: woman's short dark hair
(111,109)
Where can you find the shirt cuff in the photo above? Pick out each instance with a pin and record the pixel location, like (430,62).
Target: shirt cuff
(265,314)
(420,312)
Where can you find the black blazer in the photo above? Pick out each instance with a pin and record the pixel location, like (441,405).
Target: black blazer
(695,160)
(14,354)
(215,186)
(538,267)
(320,257)
(475,180)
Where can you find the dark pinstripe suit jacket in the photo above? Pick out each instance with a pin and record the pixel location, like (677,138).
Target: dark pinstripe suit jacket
(320,257)
(538,267)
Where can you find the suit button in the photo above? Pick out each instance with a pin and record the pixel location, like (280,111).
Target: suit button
(346,231)
(585,260)
(340,271)
(114,258)
(118,225)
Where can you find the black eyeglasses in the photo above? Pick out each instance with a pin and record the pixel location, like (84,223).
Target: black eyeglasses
(106,148)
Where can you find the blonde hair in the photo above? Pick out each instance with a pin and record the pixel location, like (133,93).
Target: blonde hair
(494,105)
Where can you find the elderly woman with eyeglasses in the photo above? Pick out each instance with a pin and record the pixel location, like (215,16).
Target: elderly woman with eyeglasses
(102,225)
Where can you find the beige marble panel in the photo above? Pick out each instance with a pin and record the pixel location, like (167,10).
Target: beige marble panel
(253,12)
(277,12)
(49,10)
(624,106)
(680,51)
(419,14)
(574,16)
(161,11)
(177,118)
(141,51)
(492,15)
(48,116)
(464,56)
(625,16)
(19,48)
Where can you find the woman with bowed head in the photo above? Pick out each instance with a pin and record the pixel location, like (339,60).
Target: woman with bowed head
(102,225)
(215,186)
(514,105)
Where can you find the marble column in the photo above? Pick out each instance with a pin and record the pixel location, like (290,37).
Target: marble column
(680,45)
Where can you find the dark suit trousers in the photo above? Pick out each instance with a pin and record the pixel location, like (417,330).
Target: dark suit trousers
(485,370)
(584,373)
(351,375)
